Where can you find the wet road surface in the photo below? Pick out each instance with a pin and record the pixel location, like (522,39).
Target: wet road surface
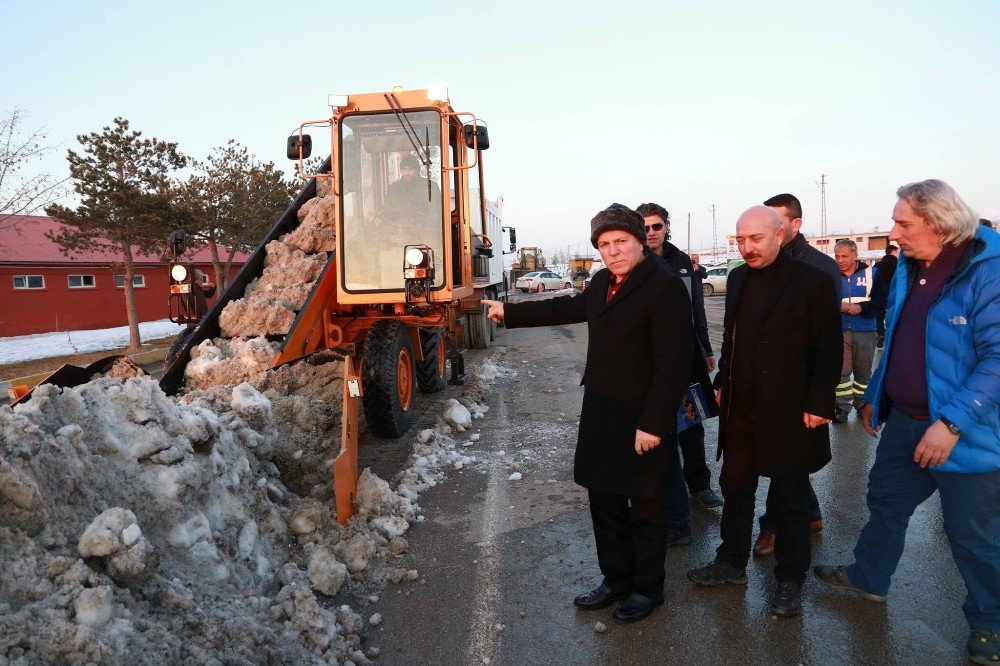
(500,561)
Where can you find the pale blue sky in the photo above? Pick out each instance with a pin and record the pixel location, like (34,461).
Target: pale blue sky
(685,104)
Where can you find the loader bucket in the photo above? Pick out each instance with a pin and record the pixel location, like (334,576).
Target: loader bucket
(345,465)
(68,376)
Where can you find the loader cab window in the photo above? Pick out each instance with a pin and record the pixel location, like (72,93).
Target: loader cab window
(391,197)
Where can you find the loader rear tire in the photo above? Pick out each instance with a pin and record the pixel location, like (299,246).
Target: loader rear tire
(431,371)
(388,378)
(482,329)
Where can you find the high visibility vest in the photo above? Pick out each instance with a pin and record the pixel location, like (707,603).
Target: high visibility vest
(863,279)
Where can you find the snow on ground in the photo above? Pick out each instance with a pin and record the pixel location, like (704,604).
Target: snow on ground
(64,343)
(201,529)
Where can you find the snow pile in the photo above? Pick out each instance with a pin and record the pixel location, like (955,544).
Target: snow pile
(139,527)
(317,231)
(293,264)
(270,301)
(223,362)
(136,527)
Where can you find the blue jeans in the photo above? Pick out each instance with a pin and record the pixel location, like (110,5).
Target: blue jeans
(970,504)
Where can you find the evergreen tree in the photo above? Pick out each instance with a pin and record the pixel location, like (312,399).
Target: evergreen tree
(233,199)
(124,185)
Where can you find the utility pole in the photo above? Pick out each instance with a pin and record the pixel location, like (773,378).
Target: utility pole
(715,238)
(689,233)
(822,190)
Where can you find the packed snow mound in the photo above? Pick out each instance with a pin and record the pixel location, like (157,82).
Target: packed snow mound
(317,231)
(222,362)
(142,528)
(127,519)
(122,368)
(270,302)
(302,416)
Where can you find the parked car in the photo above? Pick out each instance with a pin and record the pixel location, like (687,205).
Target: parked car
(542,280)
(715,281)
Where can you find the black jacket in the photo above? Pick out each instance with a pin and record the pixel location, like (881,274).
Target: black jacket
(886,266)
(800,250)
(674,259)
(692,279)
(798,368)
(638,365)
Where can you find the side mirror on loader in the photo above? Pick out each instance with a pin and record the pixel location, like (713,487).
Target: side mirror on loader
(296,144)
(474,135)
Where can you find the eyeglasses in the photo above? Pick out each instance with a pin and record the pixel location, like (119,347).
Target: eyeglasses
(656,226)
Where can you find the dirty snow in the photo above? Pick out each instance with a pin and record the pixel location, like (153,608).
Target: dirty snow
(202,528)
(210,511)
(65,343)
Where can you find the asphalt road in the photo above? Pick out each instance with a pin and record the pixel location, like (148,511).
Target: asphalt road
(500,561)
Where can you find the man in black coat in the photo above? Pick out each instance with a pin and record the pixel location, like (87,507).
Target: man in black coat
(638,364)
(780,363)
(696,477)
(789,209)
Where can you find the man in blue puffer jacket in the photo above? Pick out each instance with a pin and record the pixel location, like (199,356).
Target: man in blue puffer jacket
(937,391)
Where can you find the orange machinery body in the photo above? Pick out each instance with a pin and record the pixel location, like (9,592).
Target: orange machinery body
(338,317)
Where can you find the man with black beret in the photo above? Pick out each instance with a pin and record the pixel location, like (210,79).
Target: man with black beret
(638,364)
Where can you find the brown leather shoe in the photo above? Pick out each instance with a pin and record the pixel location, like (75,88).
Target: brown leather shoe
(816,526)
(764,545)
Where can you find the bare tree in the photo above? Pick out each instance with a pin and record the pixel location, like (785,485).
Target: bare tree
(22,194)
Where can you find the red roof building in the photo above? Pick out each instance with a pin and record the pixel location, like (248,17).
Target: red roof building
(43,290)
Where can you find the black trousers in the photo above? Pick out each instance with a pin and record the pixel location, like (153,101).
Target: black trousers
(790,507)
(631,536)
(696,473)
(767,523)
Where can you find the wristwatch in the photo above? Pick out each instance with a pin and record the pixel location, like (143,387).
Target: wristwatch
(952,428)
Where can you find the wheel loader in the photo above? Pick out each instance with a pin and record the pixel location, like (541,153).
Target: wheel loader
(418,247)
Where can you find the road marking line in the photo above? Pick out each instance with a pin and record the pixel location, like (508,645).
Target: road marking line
(486,595)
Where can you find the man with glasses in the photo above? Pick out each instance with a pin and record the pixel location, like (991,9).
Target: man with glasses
(692,440)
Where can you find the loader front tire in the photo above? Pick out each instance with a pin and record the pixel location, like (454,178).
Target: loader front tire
(431,370)
(388,377)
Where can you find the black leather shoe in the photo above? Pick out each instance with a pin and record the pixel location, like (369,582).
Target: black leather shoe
(787,599)
(600,597)
(635,608)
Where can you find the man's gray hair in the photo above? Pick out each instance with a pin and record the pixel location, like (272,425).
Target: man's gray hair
(849,243)
(942,209)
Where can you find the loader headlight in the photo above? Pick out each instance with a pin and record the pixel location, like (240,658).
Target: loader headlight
(178,272)
(415,257)
(337,101)
(438,94)
(418,272)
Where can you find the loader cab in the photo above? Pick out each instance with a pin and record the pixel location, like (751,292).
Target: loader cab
(406,169)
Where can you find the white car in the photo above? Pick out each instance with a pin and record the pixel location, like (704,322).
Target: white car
(542,280)
(715,281)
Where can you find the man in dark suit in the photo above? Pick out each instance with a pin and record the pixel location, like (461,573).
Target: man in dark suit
(780,362)
(638,363)
(789,210)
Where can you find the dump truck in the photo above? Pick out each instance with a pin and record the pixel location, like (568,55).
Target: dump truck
(579,270)
(417,249)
